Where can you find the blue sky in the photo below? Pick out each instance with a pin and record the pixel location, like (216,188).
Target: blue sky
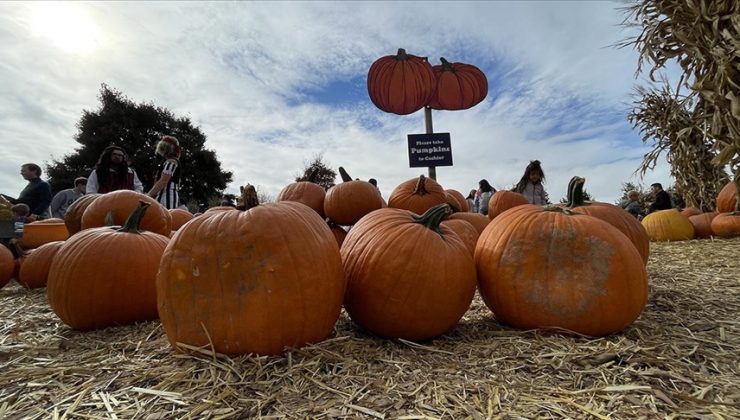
(273,84)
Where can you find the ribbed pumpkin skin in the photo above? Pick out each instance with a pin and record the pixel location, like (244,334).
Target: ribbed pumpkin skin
(703,224)
(462,203)
(478,220)
(339,233)
(465,230)
(308,193)
(668,225)
(459,86)
(100,278)
(256,281)
(179,217)
(623,221)
(7,265)
(73,216)
(540,268)
(690,211)
(726,198)
(726,225)
(405,280)
(504,200)
(122,202)
(347,202)
(34,273)
(417,195)
(401,84)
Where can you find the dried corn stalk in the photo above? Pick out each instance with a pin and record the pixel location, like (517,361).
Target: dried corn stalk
(703,38)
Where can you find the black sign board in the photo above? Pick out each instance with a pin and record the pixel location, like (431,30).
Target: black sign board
(430,150)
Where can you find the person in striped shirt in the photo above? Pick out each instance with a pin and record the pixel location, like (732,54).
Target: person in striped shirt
(165,188)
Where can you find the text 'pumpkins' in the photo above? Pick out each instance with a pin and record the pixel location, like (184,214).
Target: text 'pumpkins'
(254,281)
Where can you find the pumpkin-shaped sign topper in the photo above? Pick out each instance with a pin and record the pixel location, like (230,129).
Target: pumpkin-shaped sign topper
(459,86)
(401,84)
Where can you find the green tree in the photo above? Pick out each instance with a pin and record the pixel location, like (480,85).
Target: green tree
(324,175)
(137,128)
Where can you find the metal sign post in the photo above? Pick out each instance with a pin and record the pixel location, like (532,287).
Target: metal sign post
(430,130)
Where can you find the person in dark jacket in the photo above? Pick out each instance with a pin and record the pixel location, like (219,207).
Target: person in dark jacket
(662,199)
(36,194)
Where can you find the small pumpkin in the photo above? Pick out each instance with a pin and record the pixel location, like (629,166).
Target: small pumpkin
(347,202)
(34,272)
(544,267)
(479,221)
(179,217)
(465,230)
(401,84)
(703,224)
(726,225)
(459,86)
(407,276)
(306,192)
(668,225)
(504,200)
(728,199)
(461,204)
(417,195)
(7,265)
(38,233)
(73,216)
(690,211)
(105,276)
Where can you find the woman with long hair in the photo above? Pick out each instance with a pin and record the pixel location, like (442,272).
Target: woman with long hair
(112,173)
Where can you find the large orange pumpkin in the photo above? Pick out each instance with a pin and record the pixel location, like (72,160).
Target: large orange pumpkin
(459,86)
(401,84)
(668,225)
(34,272)
(550,267)
(7,265)
(417,195)
(73,216)
(120,204)
(407,276)
(727,198)
(253,281)
(347,202)
(105,276)
(703,224)
(615,216)
(504,200)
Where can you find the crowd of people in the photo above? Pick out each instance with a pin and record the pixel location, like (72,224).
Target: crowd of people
(112,172)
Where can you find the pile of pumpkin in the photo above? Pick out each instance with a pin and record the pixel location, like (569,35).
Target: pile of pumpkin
(276,275)
(691,223)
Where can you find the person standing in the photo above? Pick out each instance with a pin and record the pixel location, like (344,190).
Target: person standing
(165,188)
(530,185)
(64,198)
(483,196)
(662,199)
(471,202)
(112,173)
(37,193)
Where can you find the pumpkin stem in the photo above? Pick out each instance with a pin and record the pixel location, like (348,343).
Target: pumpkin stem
(401,55)
(134,219)
(345,175)
(421,188)
(446,65)
(575,192)
(248,198)
(434,216)
(560,209)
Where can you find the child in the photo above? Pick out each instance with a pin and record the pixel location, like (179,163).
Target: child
(530,186)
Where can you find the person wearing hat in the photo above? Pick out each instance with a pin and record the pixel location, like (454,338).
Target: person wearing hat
(64,198)
(165,188)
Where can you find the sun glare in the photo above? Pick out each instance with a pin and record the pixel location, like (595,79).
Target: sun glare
(67,25)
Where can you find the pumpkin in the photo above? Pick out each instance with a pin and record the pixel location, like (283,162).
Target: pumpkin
(73,216)
(179,217)
(105,276)
(347,202)
(690,211)
(7,265)
(479,221)
(253,281)
(727,199)
(726,225)
(338,232)
(417,195)
(459,86)
(668,225)
(306,192)
(465,230)
(461,204)
(615,216)
(401,84)
(504,200)
(51,220)
(544,267)
(407,276)
(34,272)
(38,233)
(703,224)
(120,204)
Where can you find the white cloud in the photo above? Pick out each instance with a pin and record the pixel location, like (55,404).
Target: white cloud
(245,72)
